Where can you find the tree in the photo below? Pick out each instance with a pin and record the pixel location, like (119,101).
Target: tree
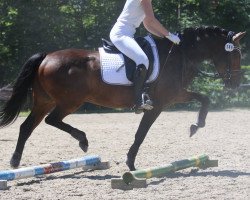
(31,26)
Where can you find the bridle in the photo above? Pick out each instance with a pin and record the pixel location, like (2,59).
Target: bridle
(229,48)
(229,72)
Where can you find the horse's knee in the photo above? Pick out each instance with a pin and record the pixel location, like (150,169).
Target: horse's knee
(206,101)
(23,128)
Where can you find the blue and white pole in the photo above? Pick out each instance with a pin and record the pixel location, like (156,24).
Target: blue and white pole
(87,162)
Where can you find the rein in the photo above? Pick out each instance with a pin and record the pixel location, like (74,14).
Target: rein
(169,52)
(165,64)
(166,60)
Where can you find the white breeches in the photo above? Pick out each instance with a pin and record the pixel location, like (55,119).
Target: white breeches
(125,42)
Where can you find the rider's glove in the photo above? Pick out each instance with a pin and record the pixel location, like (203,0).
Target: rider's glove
(173,38)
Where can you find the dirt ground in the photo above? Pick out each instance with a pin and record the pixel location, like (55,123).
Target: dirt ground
(226,137)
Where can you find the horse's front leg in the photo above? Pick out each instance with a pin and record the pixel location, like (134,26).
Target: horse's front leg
(204,100)
(147,120)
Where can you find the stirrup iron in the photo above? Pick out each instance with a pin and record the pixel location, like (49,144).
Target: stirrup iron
(147,104)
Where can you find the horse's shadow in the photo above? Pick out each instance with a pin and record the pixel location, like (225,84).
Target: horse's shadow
(193,173)
(223,173)
(77,175)
(197,173)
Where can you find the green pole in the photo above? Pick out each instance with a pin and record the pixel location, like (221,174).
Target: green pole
(196,161)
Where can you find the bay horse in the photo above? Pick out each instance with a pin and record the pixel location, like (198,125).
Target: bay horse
(64,80)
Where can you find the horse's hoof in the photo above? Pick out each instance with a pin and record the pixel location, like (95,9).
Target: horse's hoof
(84,146)
(193,129)
(131,166)
(15,160)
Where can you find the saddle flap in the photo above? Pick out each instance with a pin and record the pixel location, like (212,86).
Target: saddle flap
(112,64)
(130,65)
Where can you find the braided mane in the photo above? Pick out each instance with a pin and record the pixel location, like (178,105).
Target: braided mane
(189,35)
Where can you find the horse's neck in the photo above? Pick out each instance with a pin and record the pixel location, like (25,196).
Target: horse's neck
(193,56)
(182,62)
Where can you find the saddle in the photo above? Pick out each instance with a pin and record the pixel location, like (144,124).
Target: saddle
(130,65)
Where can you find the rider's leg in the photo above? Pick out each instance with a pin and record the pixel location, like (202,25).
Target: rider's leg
(131,49)
(141,103)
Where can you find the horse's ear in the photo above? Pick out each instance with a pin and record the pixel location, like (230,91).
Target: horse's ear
(239,36)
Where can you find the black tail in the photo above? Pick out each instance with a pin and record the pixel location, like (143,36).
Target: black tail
(11,109)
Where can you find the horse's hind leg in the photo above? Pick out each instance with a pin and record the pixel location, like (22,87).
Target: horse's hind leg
(55,119)
(27,127)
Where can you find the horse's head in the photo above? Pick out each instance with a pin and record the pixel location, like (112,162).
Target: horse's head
(227,59)
(215,44)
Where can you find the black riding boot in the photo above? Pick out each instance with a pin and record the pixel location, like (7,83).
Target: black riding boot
(142,100)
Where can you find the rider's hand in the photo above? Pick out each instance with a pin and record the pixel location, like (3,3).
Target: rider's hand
(173,38)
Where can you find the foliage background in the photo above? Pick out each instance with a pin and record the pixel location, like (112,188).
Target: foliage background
(30,26)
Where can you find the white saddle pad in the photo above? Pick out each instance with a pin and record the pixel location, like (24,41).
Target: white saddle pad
(113,69)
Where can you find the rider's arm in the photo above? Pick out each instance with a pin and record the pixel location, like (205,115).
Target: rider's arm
(150,22)
(153,25)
